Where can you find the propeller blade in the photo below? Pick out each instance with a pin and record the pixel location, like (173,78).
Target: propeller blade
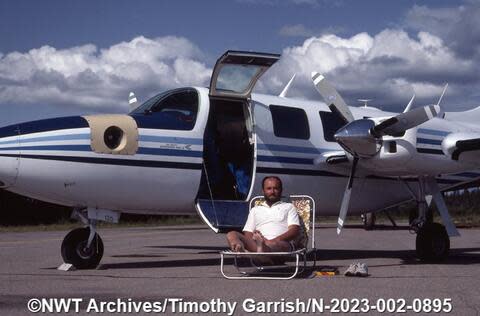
(346,197)
(331,97)
(404,121)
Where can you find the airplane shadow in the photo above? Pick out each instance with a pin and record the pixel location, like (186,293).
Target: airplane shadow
(458,256)
(166,264)
(208,249)
(377,227)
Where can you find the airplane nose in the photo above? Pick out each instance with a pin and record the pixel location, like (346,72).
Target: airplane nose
(9,155)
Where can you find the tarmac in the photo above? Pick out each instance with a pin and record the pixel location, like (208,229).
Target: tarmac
(178,268)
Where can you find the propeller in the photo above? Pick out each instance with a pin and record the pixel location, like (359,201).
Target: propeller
(330,95)
(346,197)
(362,138)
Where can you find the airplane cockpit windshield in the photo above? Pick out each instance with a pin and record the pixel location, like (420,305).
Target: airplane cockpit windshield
(147,105)
(174,109)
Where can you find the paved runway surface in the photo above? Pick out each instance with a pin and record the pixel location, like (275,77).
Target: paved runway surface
(151,264)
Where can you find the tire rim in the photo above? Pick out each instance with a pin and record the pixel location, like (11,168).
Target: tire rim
(438,246)
(84,252)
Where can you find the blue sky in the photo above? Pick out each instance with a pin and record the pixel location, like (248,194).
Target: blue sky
(71,57)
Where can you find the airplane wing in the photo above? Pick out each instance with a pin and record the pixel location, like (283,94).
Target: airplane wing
(463,147)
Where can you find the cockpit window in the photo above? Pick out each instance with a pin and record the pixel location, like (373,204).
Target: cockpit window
(149,103)
(331,123)
(175,109)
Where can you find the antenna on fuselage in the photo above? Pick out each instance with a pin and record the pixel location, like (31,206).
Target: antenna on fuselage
(409,105)
(442,114)
(443,92)
(365,101)
(287,87)
(132,100)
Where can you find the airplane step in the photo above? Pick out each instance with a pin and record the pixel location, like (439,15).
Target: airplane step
(223,216)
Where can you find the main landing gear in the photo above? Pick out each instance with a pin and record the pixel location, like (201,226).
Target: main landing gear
(83,247)
(433,241)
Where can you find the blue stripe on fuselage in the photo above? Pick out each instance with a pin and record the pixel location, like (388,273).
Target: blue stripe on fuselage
(171,139)
(429,141)
(286,148)
(307,161)
(141,150)
(432,132)
(145,138)
(47,138)
(52,124)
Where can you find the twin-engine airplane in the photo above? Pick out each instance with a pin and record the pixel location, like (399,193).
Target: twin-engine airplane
(206,150)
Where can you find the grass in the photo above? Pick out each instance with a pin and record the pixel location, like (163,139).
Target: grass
(461,219)
(66,224)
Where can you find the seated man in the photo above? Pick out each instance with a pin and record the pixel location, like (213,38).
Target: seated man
(272,226)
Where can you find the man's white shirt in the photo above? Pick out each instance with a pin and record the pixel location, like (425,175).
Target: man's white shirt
(272,221)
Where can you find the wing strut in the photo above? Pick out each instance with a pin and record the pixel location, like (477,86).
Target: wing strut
(442,207)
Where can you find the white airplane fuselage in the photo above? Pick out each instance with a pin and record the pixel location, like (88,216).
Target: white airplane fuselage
(53,160)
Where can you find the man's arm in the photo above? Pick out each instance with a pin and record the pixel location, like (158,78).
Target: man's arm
(248,234)
(290,234)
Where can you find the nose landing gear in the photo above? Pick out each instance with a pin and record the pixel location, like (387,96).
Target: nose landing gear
(432,243)
(77,250)
(433,239)
(83,247)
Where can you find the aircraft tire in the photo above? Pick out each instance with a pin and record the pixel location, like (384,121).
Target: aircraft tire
(74,252)
(432,243)
(368,220)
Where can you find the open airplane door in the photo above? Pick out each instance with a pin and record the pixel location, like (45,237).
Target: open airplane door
(236,73)
(229,142)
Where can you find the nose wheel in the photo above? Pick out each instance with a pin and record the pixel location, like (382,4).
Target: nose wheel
(432,243)
(77,250)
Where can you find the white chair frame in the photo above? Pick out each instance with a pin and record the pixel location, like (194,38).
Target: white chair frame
(257,269)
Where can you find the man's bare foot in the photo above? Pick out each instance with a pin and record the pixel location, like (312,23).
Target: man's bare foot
(259,240)
(238,247)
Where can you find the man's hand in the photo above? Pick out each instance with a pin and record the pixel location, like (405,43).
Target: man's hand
(258,235)
(238,247)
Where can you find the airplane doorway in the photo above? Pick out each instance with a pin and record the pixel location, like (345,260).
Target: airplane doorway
(228,152)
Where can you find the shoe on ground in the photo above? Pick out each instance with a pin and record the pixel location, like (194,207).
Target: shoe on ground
(361,270)
(351,270)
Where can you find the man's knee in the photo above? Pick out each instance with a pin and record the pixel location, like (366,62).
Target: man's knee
(232,235)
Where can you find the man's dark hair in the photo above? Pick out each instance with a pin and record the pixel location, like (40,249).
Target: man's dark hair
(272,177)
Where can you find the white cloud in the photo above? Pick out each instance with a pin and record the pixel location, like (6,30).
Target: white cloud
(459,26)
(89,77)
(388,67)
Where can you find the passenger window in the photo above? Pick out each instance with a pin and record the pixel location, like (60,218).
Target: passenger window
(331,123)
(289,122)
(176,110)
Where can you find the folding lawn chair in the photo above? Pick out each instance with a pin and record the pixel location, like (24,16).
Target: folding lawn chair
(253,270)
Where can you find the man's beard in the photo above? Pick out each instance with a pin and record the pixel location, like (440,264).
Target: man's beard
(272,198)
